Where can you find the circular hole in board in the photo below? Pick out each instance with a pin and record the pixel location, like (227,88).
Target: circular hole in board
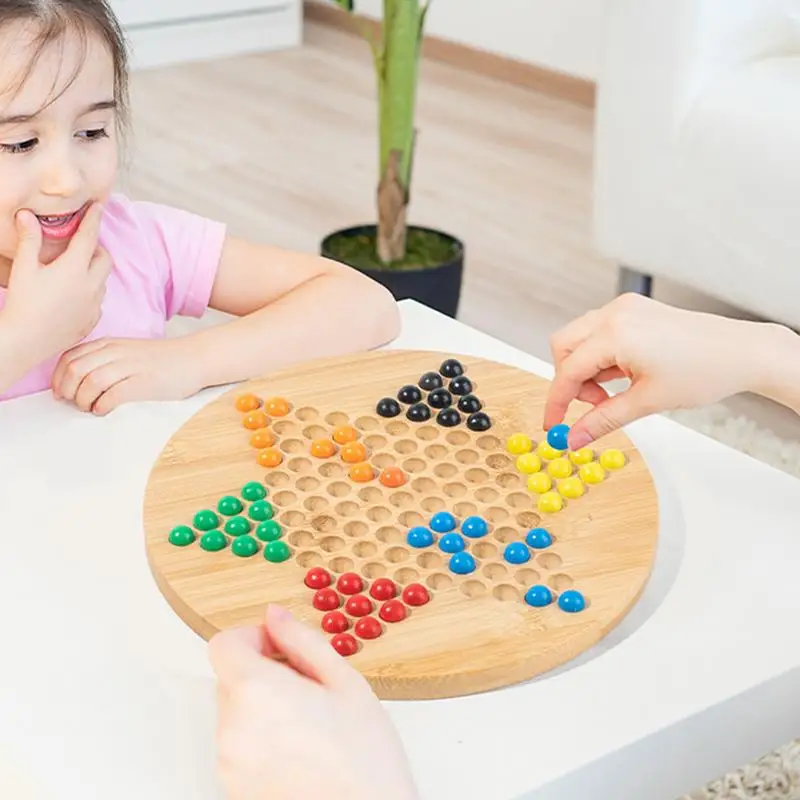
(509,480)
(560,582)
(299,465)
(315,432)
(292,446)
(496,514)
(373,570)
(507,534)
(410,518)
(339,489)
(406,575)
(454,489)
(505,592)
(435,452)
(423,485)
(486,494)
(323,523)
(484,550)
(336,418)
(445,470)
(284,498)
(390,535)
(439,581)
(342,564)
(301,538)
(473,589)
(383,460)
(276,479)
(467,457)
(316,503)
(488,442)
(527,577)
(401,499)
(519,500)
(284,427)
(310,558)
(375,441)
(378,513)
(397,428)
(365,549)
(406,446)
(367,423)
(457,438)
(549,561)
(433,504)
(430,560)
(331,544)
(355,528)
(499,461)
(293,518)
(528,520)
(396,555)
(331,470)
(308,483)
(412,465)
(346,509)
(476,475)
(306,414)
(370,494)
(495,572)
(427,433)
(464,510)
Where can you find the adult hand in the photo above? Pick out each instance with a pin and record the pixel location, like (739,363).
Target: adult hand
(100,375)
(50,308)
(673,359)
(297,721)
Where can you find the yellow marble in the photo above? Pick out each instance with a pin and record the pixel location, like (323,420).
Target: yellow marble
(547,452)
(560,467)
(571,488)
(529,463)
(519,443)
(539,483)
(612,459)
(583,456)
(550,502)
(592,473)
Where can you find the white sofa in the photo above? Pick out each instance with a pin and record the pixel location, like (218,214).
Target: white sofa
(697,161)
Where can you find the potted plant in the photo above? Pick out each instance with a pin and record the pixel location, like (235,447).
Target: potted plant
(411,261)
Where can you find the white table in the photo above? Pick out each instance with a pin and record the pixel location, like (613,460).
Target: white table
(105,693)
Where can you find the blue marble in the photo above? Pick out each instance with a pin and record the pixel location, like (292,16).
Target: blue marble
(538,596)
(452,543)
(443,522)
(571,601)
(474,527)
(557,437)
(420,536)
(538,538)
(517,553)
(462,563)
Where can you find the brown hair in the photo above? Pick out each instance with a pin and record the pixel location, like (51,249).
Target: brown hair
(54,18)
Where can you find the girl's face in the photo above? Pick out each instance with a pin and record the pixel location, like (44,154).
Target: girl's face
(56,156)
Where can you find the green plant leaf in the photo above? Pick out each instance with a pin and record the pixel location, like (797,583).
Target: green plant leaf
(347,5)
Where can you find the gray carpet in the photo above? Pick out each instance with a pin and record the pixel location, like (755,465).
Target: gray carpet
(775,776)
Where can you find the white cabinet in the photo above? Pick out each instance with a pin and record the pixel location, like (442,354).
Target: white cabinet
(164,32)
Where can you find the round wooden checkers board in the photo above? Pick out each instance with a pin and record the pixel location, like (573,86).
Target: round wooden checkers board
(476,632)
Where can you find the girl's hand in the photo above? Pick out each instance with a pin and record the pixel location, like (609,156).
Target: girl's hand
(51,307)
(297,721)
(98,376)
(674,359)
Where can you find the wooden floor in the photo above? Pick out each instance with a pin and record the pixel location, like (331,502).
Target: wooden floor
(282,146)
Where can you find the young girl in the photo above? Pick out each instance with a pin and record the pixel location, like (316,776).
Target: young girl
(88,278)
(674,358)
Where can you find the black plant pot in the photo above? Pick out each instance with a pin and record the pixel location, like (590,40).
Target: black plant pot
(436,284)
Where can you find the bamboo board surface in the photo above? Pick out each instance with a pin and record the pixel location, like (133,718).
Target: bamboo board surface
(476,632)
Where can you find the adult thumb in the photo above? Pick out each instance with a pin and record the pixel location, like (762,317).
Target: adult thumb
(608,416)
(307,651)
(29,239)
(236,653)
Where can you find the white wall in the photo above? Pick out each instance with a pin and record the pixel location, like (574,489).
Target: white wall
(562,35)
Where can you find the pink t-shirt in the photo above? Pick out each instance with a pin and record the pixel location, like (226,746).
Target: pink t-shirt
(165,263)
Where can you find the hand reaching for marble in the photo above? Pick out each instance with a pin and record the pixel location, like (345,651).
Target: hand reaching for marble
(673,358)
(297,721)
(101,375)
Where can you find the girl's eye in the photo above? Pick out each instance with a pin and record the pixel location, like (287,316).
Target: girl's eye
(91,135)
(20,147)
